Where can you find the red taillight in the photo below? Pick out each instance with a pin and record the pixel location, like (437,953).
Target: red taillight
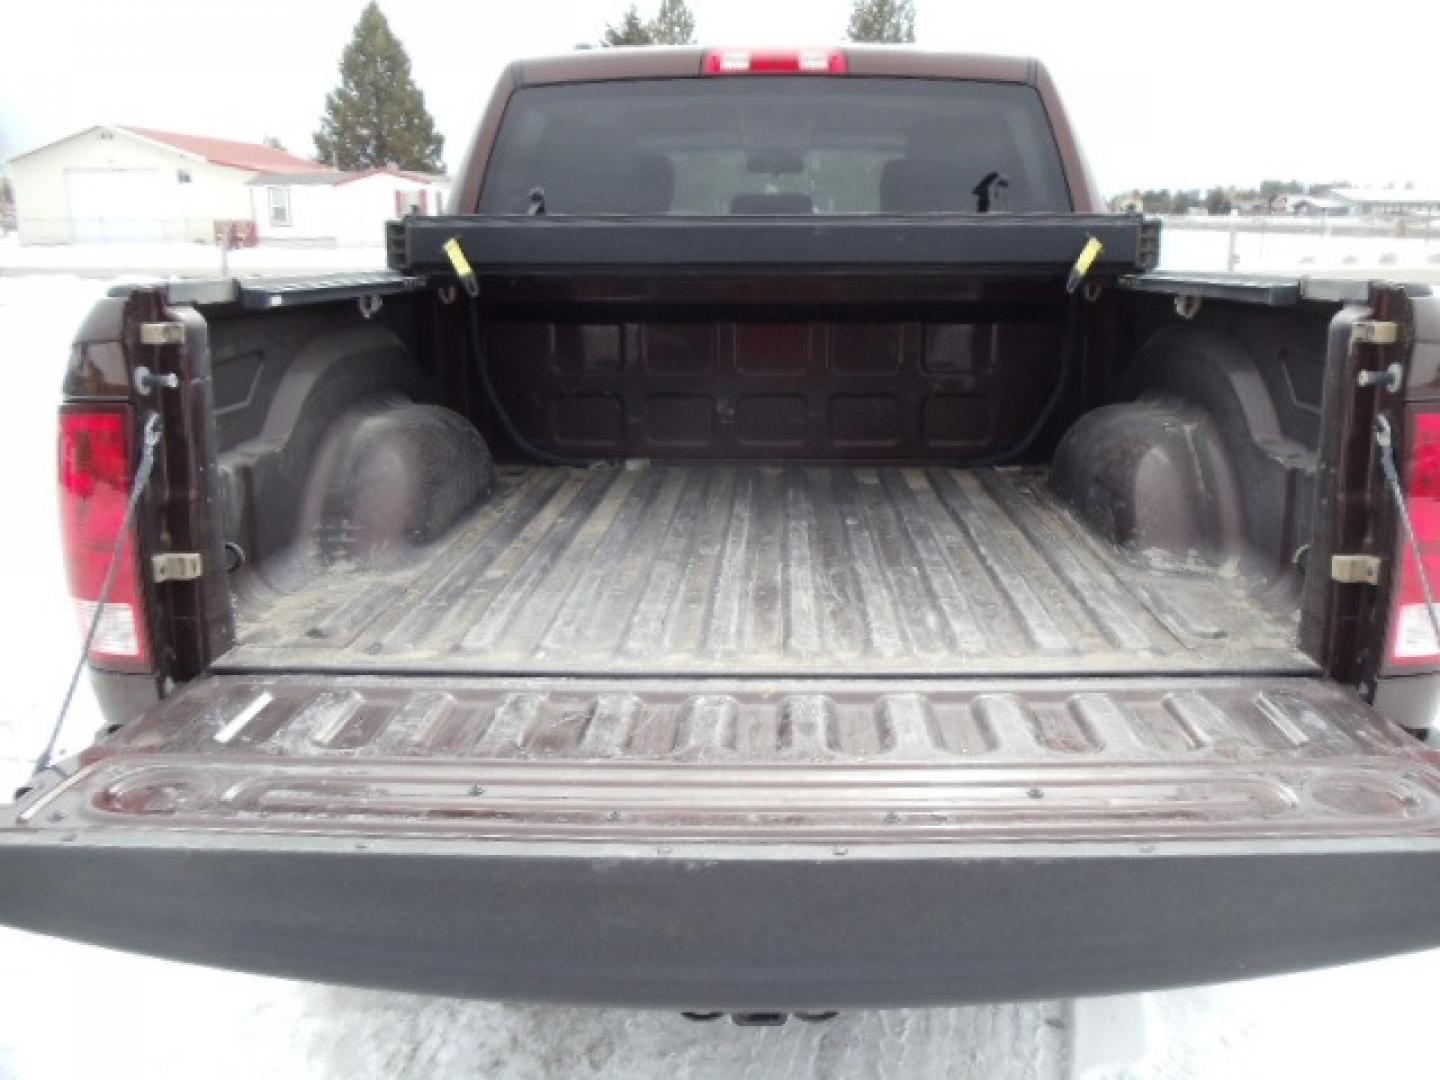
(775,62)
(95,477)
(1412,636)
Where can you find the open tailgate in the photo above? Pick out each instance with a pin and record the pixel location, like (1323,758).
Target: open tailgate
(742,845)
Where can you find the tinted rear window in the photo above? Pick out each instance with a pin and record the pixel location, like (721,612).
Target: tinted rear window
(756,145)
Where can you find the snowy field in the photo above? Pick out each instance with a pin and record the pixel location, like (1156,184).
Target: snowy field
(136,261)
(69,1010)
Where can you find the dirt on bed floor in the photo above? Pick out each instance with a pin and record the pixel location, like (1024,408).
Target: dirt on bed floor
(773,570)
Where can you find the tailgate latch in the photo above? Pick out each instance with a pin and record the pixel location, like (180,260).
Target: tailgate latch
(1355,569)
(176,566)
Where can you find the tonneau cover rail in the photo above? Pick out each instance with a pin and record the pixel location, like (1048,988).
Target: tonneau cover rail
(965,244)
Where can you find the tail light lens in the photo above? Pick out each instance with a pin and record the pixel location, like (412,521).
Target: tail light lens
(96,471)
(1412,637)
(775,62)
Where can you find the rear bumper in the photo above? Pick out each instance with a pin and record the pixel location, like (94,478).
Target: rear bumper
(729,927)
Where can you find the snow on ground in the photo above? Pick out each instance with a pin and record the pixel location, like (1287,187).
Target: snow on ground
(136,260)
(71,1010)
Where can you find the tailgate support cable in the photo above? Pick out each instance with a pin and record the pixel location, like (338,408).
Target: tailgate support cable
(1385,441)
(150,439)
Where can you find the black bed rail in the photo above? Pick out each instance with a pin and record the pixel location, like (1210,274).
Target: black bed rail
(964,244)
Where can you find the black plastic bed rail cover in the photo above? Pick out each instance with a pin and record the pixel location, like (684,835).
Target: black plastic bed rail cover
(1045,244)
(264,293)
(1262,289)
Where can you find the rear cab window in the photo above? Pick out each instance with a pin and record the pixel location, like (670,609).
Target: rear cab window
(775,145)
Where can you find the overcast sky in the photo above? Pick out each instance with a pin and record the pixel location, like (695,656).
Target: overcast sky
(1164,94)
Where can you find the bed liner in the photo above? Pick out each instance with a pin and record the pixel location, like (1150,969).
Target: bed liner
(793,571)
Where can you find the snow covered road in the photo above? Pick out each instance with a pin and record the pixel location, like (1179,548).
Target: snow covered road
(68,1010)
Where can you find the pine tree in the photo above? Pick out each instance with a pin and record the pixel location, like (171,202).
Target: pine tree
(673,24)
(630,31)
(882,20)
(377,117)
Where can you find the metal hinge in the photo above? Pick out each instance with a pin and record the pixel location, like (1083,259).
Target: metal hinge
(1375,332)
(1355,569)
(162,333)
(177,566)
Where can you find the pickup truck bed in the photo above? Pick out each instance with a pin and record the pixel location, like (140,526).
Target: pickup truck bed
(774,570)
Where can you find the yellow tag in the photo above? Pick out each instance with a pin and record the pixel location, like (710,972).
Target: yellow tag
(462,264)
(1088,254)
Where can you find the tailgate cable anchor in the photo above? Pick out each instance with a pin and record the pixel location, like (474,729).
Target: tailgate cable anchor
(157,335)
(149,441)
(147,382)
(1389,378)
(1384,439)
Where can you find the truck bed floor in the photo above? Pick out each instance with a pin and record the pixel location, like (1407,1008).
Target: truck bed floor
(769,570)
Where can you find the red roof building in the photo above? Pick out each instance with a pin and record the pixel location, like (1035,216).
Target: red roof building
(125,183)
(255,157)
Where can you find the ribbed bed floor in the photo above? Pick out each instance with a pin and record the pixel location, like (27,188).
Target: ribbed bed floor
(761,570)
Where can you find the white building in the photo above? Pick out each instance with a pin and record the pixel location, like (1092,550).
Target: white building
(1391,202)
(1310,205)
(342,208)
(139,184)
